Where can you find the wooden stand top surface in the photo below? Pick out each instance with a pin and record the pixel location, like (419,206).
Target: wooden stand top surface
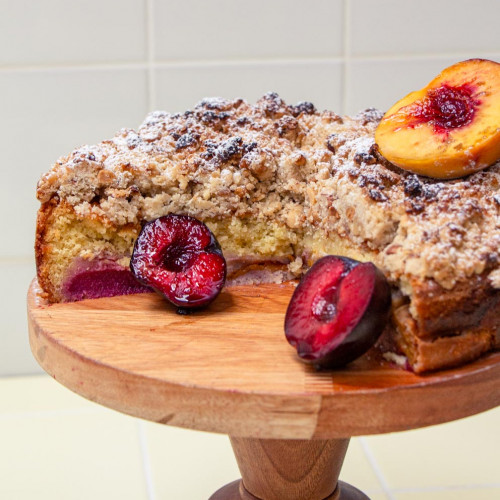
(230,369)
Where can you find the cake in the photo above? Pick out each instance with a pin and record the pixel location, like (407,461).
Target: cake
(281,186)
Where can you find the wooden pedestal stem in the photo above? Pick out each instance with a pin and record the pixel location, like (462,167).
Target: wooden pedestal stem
(277,469)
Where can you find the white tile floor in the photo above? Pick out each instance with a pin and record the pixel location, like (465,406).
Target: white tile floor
(56,445)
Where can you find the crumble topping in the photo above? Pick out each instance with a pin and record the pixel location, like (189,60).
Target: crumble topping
(295,165)
(494,278)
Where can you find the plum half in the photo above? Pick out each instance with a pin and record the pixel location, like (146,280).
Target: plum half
(338,311)
(179,257)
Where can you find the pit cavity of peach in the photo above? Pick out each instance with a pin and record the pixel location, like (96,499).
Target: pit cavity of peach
(446,108)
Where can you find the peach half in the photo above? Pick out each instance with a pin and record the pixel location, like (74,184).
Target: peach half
(450,128)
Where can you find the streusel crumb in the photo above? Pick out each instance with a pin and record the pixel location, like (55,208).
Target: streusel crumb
(309,171)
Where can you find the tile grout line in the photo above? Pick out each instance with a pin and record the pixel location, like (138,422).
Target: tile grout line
(153,64)
(346,52)
(417,56)
(376,469)
(151,88)
(64,68)
(463,487)
(11,259)
(146,462)
(179,63)
(67,412)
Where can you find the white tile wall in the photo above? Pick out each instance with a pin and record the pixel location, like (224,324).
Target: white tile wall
(80,31)
(171,452)
(15,355)
(259,29)
(75,72)
(106,449)
(47,114)
(179,88)
(450,452)
(394,28)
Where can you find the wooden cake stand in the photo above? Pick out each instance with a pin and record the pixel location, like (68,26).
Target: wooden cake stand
(229,369)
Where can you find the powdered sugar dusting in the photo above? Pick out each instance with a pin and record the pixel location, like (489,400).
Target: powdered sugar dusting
(494,278)
(311,171)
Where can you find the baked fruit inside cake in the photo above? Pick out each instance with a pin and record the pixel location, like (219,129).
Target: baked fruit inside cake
(280,187)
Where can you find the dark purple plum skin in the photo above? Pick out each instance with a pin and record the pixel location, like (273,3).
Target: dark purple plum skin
(366,333)
(369,327)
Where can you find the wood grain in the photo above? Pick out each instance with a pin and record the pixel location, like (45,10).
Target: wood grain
(229,369)
(294,469)
(236,491)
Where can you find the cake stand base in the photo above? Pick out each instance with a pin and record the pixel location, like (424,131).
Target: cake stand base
(292,469)
(236,491)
